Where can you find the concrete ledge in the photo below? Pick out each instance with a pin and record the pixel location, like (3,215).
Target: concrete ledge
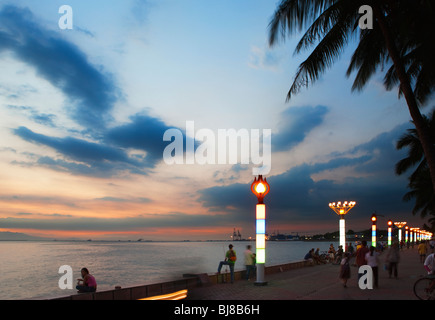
(188,282)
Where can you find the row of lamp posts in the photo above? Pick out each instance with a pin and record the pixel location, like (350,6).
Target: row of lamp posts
(260,187)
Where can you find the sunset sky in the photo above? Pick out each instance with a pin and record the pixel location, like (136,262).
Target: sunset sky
(83,113)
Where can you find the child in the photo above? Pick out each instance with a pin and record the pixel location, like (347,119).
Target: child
(345,269)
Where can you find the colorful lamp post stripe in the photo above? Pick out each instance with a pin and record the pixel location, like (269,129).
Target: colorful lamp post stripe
(390,224)
(374,219)
(261,233)
(260,188)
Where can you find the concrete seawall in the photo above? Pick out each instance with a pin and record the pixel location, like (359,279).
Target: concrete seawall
(187,282)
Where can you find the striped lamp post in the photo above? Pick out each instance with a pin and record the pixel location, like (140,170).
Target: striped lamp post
(260,188)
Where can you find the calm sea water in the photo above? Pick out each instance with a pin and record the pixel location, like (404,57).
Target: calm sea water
(29,270)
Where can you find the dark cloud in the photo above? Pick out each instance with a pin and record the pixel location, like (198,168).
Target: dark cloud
(82,157)
(143,133)
(31,112)
(76,149)
(296,196)
(91,91)
(143,223)
(296,123)
(135,147)
(44,200)
(115,199)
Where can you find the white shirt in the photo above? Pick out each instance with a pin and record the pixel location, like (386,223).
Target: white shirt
(248,258)
(372,261)
(430,263)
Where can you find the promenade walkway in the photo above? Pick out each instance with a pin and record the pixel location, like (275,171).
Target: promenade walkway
(320,282)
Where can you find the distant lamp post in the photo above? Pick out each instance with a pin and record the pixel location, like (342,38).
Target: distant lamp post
(374,219)
(406,233)
(390,225)
(260,188)
(399,225)
(414,234)
(417,234)
(341,209)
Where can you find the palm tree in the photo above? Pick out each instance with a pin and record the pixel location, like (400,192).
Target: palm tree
(419,181)
(422,191)
(333,23)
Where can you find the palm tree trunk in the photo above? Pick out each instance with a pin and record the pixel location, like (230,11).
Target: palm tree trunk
(420,125)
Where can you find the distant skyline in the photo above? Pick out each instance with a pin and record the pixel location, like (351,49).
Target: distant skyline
(83,113)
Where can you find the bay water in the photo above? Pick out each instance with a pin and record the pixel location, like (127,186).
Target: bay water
(30,269)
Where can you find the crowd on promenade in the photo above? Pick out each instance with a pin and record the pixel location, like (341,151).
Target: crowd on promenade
(363,255)
(380,257)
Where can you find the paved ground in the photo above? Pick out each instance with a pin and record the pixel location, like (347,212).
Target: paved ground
(320,282)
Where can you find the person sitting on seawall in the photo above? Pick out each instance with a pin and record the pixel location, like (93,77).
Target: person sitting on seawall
(317,258)
(89,282)
(309,255)
(338,255)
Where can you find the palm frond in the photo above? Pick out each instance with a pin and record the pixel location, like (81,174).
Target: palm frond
(323,56)
(294,15)
(369,54)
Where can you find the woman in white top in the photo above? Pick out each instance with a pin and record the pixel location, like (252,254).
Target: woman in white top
(372,258)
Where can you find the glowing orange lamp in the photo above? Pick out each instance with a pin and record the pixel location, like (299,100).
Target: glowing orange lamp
(260,188)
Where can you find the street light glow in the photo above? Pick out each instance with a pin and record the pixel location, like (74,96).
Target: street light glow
(342,209)
(260,188)
(400,225)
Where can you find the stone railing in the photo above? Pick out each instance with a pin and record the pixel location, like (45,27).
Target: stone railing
(187,282)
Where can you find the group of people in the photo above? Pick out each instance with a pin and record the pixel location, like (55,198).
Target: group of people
(426,255)
(333,255)
(363,256)
(371,257)
(230,260)
(425,247)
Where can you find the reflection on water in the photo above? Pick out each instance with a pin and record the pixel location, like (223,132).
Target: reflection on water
(30,269)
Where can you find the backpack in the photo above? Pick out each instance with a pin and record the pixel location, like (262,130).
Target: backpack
(232,256)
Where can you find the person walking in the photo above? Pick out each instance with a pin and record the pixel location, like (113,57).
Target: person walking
(360,256)
(429,264)
(422,250)
(344,274)
(230,260)
(372,258)
(249,261)
(393,259)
